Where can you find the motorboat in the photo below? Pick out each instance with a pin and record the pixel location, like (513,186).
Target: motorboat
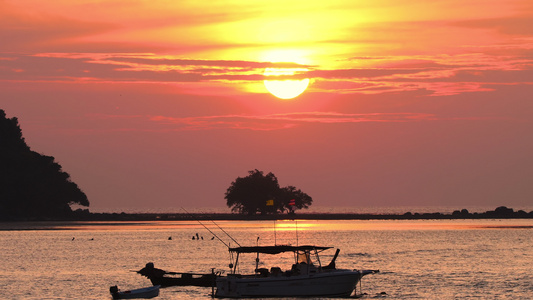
(143,293)
(166,278)
(306,278)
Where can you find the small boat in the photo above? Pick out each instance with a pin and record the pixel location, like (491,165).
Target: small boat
(165,278)
(144,293)
(306,278)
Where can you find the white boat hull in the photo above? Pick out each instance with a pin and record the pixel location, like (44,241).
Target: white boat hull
(337,283)
(144,293)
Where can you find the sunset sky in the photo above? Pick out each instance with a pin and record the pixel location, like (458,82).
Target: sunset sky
(158,104)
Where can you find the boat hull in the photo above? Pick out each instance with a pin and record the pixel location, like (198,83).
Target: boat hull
(144,293)
(338,283)
(206,280)
(165,279)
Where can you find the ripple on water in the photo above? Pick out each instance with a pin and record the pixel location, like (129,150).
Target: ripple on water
(414,264)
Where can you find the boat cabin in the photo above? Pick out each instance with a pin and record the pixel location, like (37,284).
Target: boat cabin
(306,260)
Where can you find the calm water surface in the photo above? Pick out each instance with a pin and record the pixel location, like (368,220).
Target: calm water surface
(430,259)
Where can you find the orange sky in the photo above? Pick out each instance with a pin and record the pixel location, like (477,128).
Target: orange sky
(156,104)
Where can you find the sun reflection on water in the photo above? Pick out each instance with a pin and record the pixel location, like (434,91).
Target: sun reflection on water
(279,225)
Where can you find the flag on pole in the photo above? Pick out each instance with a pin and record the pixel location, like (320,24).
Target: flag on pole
(292,202)
(270,202)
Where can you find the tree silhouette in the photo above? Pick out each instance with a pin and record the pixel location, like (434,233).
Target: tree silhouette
(32,185)
(301,199)
(259,193)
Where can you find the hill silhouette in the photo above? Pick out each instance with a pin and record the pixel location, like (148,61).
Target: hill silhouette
(32,186)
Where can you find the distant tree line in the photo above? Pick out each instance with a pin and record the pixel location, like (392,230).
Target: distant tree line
(32,186)
(501,212)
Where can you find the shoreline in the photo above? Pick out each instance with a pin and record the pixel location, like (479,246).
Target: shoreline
(500,212)
(301,216)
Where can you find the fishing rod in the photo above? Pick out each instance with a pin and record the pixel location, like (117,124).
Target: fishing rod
(206,228)
(226,233)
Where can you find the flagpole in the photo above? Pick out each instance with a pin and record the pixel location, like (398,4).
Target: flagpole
(271,203)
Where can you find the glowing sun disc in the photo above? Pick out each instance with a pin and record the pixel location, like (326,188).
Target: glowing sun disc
(287,88)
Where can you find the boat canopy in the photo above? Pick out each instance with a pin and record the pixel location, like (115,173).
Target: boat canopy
(276,249)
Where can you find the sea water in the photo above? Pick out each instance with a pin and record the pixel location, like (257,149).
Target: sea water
(424,259)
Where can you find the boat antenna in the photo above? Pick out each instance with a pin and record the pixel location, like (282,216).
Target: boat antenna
(206,228)
(296,221)
(275,237)
(257,258)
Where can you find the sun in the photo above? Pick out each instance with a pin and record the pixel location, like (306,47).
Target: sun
(286,88)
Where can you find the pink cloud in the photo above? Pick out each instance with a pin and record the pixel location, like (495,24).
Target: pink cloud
(435,73)
(281,121)
(512,25)
(22,31)
(269,122)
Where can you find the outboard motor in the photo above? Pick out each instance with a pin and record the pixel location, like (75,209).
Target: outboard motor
(113,290)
